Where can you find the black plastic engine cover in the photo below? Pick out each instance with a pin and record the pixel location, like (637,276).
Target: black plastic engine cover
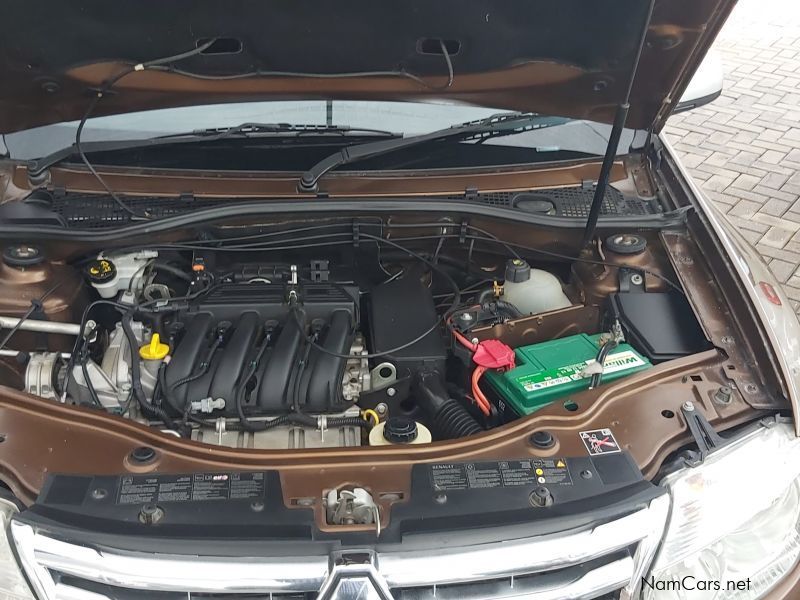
(225,331)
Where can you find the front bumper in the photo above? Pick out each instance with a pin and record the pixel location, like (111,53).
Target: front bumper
(585,563)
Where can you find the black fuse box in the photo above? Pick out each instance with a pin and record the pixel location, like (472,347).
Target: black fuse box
(400,311)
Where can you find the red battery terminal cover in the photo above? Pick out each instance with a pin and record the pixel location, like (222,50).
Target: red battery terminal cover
(494,354)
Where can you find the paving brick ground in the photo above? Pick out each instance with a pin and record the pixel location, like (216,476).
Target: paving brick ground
(744,148)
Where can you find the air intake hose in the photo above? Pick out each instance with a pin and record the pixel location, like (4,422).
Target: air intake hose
(450,420)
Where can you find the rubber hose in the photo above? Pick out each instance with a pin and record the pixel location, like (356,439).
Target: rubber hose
(449,418)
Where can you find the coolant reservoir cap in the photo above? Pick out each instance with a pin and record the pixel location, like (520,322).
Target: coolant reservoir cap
(400,430)
(517,270)
(155,350)
(101,270)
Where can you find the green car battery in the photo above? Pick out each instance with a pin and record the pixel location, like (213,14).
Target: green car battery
(551,370)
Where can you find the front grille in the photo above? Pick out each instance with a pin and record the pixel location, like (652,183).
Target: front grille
(606,561)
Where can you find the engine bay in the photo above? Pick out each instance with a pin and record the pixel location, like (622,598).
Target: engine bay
(340,334)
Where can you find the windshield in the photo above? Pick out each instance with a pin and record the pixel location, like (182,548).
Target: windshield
(401,118)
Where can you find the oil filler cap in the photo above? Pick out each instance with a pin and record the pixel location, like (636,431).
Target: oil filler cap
(100,270)
(400,430)
(155,350)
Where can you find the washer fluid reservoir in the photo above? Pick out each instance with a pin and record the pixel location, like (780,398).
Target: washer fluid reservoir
(532,291)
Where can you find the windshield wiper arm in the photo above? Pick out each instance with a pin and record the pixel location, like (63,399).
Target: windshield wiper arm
(38,166)
(256,128)
(504,123)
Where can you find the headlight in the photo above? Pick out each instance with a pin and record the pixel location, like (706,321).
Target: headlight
(733,531)
(12,582)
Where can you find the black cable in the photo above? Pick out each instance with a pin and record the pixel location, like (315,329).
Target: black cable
(242,389)
(136,376)
(453,305)
(36,305)
(89,385)
(79,339)
(509,246)
(172,270)
(486,236)
(204,366)
(300,369)
(300,75)
(105,89)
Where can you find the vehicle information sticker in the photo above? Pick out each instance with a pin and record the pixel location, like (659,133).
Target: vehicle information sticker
(194,487)
(600,441)
(500,474)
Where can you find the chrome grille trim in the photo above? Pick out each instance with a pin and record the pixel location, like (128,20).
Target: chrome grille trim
(410,573)
(602,580)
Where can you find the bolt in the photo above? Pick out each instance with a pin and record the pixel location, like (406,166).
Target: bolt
(391,392)
(541,497)
(256,506)
(723,395)
(89,328)
(466,317)
(50,87)
(382,408)
(142,455)
(99,493)
(151,514)
(440,498)
(542,439)
(750,388)
(637,279)
(688,406)
(305,502)
(586,474)
(475,341)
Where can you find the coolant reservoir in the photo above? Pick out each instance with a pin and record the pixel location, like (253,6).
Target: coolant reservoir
(532,291)
(398,431)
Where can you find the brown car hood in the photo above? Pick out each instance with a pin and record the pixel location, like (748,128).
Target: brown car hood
(560,57)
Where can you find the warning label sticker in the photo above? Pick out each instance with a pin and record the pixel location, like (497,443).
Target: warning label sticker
(195,487)
(500,474)
(600,441)
(621,361)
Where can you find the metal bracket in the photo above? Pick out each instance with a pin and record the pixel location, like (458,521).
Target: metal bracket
(630,280)
(705,437)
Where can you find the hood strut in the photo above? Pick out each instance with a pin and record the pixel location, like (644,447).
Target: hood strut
(620,116)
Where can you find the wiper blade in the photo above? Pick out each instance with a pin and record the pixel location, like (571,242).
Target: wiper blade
(246,130)
(501,124)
